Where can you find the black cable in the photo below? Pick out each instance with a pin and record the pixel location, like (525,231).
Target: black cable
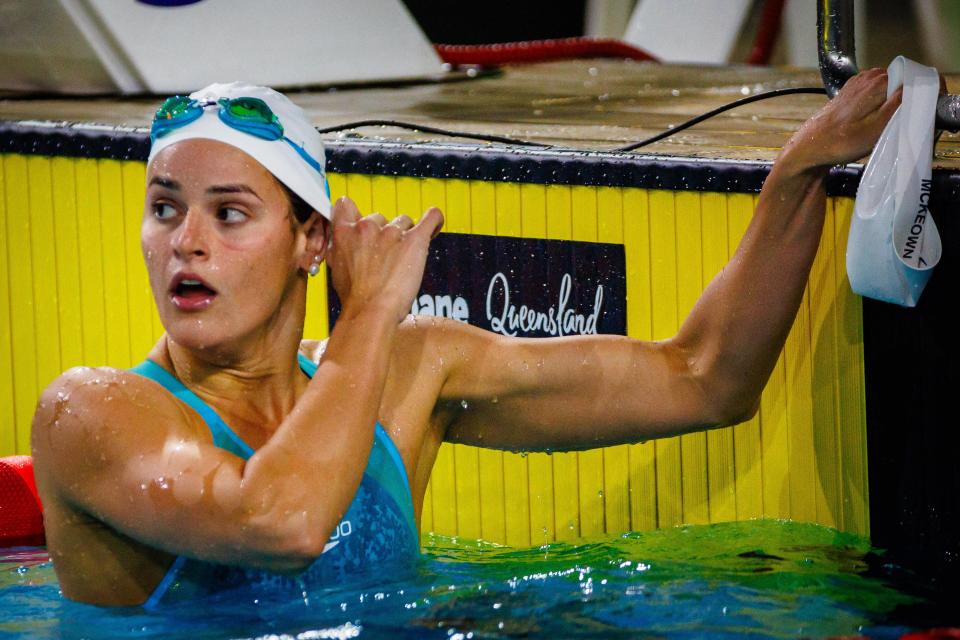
(730,105)
(775,93)
(427,129)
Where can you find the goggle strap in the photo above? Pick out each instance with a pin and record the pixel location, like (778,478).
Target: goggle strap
(307,158)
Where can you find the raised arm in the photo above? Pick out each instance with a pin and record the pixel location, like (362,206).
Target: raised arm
(114,446)
(591,391)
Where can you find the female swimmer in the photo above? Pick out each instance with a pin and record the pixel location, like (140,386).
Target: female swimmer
(226,460)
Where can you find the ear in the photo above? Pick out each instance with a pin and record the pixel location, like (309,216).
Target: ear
(318,233)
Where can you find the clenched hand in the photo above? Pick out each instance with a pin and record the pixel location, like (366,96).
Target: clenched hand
(379,264)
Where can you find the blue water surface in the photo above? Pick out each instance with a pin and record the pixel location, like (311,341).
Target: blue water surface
(757,579)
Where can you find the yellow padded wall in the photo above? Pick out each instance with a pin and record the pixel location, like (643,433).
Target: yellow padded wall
(802,457)
(73,290)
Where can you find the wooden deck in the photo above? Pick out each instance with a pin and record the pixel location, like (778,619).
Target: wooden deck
(588,105)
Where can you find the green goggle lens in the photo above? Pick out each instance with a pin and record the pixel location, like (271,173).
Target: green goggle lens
(249,109)
(174,107)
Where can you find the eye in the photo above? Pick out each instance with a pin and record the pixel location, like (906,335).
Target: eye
(164,211)
(230,215)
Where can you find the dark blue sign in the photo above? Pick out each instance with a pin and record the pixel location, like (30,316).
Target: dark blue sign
(523,287)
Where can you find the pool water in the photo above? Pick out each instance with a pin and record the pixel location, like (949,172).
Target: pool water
(757,579)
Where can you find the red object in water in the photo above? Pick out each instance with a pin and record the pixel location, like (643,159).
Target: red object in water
(933,634)
(21,514)
(489,55)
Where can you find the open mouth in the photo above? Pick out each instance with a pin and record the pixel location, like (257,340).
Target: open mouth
(191,293)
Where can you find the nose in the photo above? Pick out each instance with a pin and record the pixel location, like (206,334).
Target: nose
(190,239)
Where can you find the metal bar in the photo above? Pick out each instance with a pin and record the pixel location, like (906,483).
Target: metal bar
(838,58)
(836,50)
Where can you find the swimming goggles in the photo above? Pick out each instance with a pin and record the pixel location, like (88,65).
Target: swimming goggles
(248,115)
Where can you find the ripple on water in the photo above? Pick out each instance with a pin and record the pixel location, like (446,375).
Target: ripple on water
(758,579)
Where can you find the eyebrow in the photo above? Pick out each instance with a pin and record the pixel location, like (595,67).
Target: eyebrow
(166,183)
(173,185)
(233,188)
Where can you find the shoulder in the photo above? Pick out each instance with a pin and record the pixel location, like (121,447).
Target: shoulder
(414,333)
(434,339)
(79,394)
(94,393)
(429,346)
(98,414)
(447,347)
(441,332)
(414,330)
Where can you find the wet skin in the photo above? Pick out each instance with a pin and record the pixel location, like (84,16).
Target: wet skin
(130,478)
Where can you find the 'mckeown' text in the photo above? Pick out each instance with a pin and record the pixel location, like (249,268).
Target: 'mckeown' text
(916,229)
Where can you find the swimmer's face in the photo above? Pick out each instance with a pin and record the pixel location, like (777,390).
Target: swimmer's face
(222,249)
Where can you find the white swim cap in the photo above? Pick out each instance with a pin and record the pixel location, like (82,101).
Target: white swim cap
(279,157)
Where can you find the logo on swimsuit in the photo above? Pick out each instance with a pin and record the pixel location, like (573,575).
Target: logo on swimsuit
(342,531)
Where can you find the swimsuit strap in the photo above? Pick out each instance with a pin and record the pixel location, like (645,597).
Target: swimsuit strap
(223,436)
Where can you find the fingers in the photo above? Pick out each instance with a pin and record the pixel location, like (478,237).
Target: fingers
(376,218)
(864,81)
(890,106)
(344,211)
(868,89)
(430,224)
(873,125)
(404,223)
(379,260)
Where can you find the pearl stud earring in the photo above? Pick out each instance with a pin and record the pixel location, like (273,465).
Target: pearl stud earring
(315,267)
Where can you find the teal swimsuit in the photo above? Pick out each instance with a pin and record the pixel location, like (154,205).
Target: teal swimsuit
(377,532)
